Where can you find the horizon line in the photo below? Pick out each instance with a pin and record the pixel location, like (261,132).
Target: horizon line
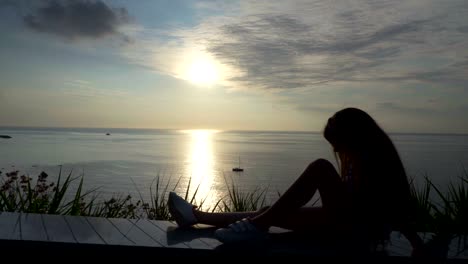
(220,130)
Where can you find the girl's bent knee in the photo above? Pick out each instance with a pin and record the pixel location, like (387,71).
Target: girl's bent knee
(321,167)
(321,163)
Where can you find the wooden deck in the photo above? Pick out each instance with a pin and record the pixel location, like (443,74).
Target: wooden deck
(132,238)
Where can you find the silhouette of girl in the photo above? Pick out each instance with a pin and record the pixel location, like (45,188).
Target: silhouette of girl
(366,199)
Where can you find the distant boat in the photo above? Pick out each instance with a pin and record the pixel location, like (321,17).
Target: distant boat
(107,134)
(238,169)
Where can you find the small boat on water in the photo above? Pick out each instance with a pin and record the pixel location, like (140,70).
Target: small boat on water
(238,169)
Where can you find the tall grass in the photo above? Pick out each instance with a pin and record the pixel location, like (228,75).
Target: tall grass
(242,201)
(423,219)
(18,194)
(445,213)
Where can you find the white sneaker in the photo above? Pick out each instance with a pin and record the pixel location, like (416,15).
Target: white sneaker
(240,231)
(181,210)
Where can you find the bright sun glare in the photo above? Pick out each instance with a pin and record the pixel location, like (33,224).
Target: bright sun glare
(202,72)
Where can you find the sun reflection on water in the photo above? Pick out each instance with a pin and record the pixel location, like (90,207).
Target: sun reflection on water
(201,163)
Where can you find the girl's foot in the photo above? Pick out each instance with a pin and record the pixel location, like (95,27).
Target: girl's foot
(181,210)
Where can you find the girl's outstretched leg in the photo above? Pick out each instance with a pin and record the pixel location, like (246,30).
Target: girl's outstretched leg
(185,214)
(224,219)
(285,212)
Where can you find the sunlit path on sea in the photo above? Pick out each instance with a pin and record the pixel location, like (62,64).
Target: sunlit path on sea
(200,165)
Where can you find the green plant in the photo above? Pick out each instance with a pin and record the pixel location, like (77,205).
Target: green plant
(422,205)
(158,209)
(17,194)
(115,207)
(444,215)
(240,201)
(451,216)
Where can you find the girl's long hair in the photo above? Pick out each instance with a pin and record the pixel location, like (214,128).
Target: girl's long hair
(366,151)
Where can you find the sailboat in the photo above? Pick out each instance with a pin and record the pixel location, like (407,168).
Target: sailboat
(238,169)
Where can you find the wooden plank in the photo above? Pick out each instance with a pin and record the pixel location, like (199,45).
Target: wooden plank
(207,235)
(82,230)
(10,226)
(155,232)
(134,233)
(108,231)
(175,235)
(57,229)
(32,227)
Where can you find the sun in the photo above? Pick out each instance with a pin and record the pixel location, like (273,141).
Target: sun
(199,67)
(202,71)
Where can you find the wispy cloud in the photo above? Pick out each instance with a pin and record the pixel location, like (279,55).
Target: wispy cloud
(77,83)
(85,89)
(402,109)
(309,43)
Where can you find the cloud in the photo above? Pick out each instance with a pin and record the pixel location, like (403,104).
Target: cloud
(395,107)
(86,90)
(276,51)
(8,3)
(77,19)
(318,108)
(283,52)
(454,74)
(284,46)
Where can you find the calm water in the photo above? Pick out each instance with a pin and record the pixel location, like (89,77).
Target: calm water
(129,160)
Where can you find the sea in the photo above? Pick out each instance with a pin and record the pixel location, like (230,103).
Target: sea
(141,162)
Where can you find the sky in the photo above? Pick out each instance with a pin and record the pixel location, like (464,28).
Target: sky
(243,65)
